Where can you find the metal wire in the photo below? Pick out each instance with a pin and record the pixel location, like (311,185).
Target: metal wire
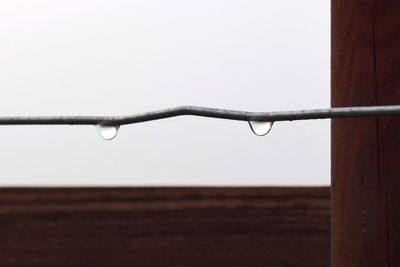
(342,112)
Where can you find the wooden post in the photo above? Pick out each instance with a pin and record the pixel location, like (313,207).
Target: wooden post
(365,151)
(102,227)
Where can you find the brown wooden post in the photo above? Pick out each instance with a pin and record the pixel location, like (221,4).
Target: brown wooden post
(365,151)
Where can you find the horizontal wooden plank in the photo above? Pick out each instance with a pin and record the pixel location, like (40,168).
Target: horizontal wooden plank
(164,227)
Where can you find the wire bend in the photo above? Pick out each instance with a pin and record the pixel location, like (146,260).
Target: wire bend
(330,113)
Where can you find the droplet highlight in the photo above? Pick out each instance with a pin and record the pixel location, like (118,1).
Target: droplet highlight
(261,128)
(108,132)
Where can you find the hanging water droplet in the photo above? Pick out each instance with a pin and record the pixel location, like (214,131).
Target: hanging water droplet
(261,128)
(108,132)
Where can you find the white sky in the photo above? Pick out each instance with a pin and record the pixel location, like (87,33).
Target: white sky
(86,57)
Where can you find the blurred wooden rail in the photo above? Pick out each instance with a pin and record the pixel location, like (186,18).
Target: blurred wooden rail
(165,227)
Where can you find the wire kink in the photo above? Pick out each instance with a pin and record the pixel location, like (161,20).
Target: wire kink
(342,112)
(260,122)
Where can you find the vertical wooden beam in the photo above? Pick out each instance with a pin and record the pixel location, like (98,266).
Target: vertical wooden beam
(388,83)
(365,152)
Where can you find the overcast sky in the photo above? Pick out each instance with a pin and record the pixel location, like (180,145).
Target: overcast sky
(86,57)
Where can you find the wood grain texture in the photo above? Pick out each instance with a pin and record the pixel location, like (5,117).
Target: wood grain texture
(357,209)
(365,152)
(388,84)
(165,227)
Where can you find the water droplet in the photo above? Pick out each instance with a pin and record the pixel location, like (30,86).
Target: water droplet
(261,128)
(108,132)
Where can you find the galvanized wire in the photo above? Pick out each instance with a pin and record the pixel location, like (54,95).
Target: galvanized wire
(330,113)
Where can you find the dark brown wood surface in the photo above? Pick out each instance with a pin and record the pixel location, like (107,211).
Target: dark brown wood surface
(165,227)
(365,152)
(388,93)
